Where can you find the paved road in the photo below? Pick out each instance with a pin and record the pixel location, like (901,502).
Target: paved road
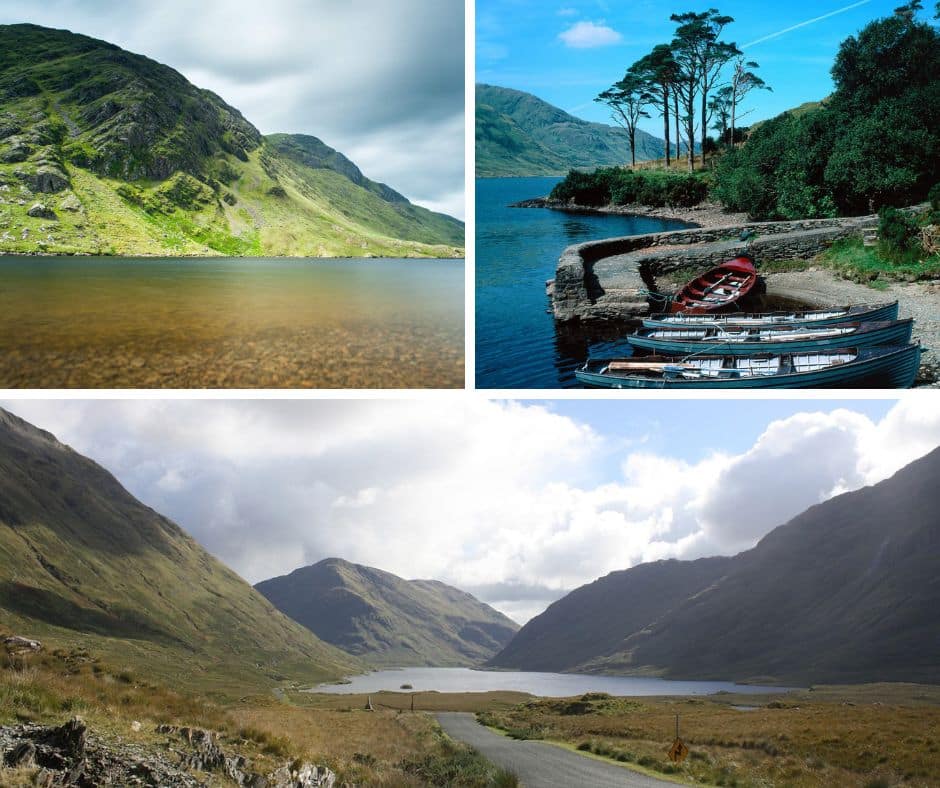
(541,765)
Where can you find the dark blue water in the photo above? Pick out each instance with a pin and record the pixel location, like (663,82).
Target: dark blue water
(518,344)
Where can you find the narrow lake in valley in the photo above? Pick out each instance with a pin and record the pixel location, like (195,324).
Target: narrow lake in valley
(86,322)
(551,685)
(518,344)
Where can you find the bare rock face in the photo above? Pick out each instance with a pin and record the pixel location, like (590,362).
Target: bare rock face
(41,211)
(20,645)
(69,755)
(48,179)
(307,776)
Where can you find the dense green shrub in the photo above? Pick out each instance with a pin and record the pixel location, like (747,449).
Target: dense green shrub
(897,230)
(873,143)
(626,187)
(934,196)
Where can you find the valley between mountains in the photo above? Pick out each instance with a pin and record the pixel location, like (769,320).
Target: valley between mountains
(137,621)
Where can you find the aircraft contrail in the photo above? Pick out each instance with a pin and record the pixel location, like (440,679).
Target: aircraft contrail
(807,22)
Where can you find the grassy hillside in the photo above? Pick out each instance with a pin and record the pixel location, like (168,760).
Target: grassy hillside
(519,134)
(846,592)
(83,564)
(389,621)
(107,152)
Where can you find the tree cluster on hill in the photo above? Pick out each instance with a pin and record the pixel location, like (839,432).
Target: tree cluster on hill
(683,81)
(873,142)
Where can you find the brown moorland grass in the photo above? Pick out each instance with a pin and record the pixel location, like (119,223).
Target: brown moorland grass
(840,736)
(423,701)
(383,748)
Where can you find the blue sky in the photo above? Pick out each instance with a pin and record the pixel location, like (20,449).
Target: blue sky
(566,52)
(691,429)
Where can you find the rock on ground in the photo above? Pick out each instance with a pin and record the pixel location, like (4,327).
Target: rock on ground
(69,755)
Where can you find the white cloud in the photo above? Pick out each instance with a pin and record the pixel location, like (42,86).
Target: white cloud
(496,498)
(588,35)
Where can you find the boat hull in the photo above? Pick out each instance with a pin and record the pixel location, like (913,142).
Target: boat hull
(717,288)
(895,333)
(882,367)
(876,312)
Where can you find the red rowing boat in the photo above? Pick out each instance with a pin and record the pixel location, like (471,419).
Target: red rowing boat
(717,288)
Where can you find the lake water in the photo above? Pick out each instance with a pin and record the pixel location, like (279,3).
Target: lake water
(230,323)
(518,344)
(549,685)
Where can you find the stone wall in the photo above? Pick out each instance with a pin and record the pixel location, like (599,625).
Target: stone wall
(608,279)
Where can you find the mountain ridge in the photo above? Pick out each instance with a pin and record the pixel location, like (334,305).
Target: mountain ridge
(386,620)
(85,564)
(831,596)
(517,134)
(104,151)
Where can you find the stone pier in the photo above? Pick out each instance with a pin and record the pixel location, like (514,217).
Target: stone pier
(609,279)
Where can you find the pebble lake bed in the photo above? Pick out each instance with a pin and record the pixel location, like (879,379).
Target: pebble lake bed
(99,322)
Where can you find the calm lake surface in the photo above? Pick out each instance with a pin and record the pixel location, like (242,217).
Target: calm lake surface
(517,342)
(230,322)
(550,685)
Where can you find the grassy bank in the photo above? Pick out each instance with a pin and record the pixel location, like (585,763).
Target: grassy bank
(867,736)
(383,748)
(851,259)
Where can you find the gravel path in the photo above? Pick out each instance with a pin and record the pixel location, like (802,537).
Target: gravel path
(541,765)
(920,300)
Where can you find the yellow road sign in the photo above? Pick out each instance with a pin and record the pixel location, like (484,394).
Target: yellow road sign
(678,751)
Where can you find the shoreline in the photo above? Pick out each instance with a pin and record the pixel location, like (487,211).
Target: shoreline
(216,256)
(705,215)
(820,287)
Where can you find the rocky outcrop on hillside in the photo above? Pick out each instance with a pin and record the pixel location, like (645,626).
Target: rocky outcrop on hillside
(69,755)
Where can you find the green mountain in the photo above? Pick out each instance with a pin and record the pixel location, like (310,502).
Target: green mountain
(105,151)
(845,592)
(389,621)
(519,134)
(83,564)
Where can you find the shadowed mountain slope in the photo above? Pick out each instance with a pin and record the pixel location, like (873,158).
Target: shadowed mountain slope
(848,591)
(83,563)
(389,621)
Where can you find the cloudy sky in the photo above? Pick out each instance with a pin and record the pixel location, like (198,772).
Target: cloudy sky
(515,502)
(568,51)
(382,82)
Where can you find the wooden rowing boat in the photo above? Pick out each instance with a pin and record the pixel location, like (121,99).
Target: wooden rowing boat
(747,340)
(831,316)
(716,289)
(866,367)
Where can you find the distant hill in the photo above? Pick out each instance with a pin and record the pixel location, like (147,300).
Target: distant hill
(848,591)
(125,156)
(519,134)
(85,564)
(389,621)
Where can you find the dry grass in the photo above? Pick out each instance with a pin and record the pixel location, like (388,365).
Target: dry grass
(838,736)
(675,165)
(378,748)
(423,701)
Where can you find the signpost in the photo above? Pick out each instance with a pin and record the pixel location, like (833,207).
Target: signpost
(678,752)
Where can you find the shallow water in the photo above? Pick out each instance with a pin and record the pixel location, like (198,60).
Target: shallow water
(234,323)
(549,685)
(518,344)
